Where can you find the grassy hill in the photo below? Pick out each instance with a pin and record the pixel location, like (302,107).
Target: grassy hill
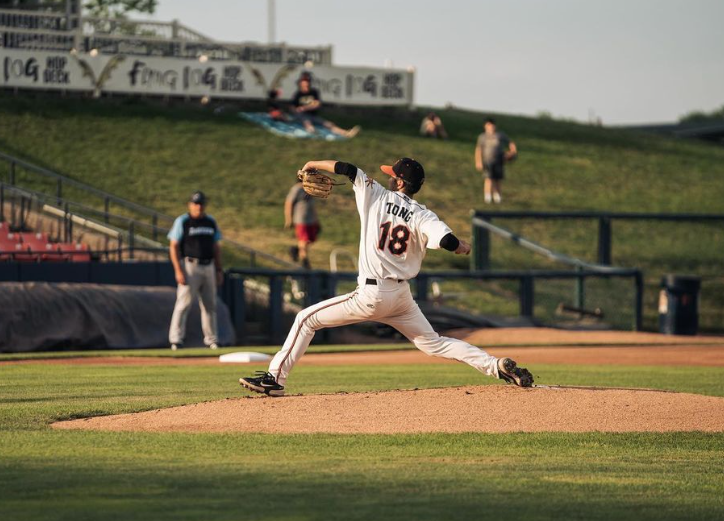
(157,155)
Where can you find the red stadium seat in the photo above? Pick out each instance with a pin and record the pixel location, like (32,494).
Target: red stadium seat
(76,252)
(6,243)
(53,254)
(21,256)
(8,246)
(35,241)
(6,236)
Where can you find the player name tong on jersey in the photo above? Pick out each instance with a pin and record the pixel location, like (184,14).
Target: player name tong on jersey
(399,211)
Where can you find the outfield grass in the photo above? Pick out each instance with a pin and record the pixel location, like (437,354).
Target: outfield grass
(157,155)
(46,474)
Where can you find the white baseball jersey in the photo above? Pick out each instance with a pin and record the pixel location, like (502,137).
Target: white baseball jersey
(395,231)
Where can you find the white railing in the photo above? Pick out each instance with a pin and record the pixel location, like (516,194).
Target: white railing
(120,27)
(20,19)
(30,39)
(35,30)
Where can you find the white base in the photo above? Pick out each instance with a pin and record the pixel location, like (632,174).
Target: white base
(244,357)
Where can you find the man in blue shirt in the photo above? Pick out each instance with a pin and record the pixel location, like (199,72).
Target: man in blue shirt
(196,258)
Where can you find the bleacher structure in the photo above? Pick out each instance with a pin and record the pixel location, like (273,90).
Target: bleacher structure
(63,51)
(103,227)
(67,29)
(37,247)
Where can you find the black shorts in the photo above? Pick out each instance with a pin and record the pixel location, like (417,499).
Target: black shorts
(494,171)
(312,118)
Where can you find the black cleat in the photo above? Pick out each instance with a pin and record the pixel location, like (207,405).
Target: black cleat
(263,383)
(509,371)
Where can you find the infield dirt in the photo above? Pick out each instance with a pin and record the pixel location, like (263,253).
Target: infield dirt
(492,409)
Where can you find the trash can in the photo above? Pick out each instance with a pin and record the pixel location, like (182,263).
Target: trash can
(679,305)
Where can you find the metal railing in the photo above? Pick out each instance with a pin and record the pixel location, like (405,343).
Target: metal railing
(35,20)
(481,260)
(119,228)
(142,220)
(173,30)
(117,254)
(88,25)
(320,285)
(30,30)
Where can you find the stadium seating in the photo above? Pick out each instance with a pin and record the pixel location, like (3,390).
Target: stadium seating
(8,241)
(75,252)
(20,254)
(35,242)
(36,247)
(53,254)
(9,237)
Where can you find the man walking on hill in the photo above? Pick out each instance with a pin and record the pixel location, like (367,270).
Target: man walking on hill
(396,232)
(492,151)
(196,258)
(301,212)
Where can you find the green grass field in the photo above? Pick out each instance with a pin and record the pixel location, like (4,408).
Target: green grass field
(74,475)
(157,155)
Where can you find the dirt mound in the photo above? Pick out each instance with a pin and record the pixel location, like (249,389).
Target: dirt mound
(492,408)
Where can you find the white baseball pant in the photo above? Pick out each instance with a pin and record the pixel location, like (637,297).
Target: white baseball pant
(389,302)
(200,282)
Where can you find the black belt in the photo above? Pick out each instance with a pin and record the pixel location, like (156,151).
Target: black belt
(194,260)
(373,282)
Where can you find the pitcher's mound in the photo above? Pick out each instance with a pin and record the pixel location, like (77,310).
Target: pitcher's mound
(491,408)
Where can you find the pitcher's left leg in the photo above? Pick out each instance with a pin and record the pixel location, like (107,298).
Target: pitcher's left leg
(413,324)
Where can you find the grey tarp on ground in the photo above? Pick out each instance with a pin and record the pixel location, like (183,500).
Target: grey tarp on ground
(37,316)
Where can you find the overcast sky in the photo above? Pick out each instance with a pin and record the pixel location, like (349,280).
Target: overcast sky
(629,61)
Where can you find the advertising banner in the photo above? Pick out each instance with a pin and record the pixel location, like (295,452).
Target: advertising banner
(161,76)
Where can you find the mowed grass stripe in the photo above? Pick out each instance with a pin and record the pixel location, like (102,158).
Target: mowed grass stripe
(466,476)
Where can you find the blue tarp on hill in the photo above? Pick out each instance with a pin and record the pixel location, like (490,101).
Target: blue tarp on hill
(290,129)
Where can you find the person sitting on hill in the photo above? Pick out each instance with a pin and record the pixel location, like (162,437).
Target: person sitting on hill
(307,102)
(432,126)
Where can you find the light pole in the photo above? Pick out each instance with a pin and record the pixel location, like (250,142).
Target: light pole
(272,15)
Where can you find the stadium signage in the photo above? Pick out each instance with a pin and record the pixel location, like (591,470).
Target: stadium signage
(123,74)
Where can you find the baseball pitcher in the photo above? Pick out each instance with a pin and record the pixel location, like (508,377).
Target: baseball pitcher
(395,233)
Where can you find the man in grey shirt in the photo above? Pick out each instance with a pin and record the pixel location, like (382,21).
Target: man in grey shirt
(492,151)
(300,210)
